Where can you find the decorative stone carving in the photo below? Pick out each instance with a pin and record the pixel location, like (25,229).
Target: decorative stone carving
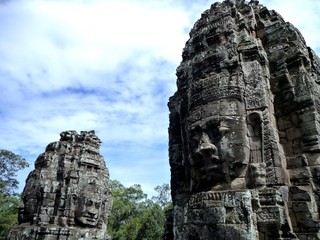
(68,195)
(244,142)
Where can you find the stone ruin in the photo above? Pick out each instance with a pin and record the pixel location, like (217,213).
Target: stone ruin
(68,195)
(244,134)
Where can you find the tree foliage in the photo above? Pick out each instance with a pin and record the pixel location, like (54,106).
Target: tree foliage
(152,223)
(134,216)
(163,198)
(10,163)
(8,214)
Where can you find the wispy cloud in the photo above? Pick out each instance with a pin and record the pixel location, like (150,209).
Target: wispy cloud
(105,65)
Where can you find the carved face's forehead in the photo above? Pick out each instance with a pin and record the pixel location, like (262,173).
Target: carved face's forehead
(203,112)
(235,123)
(224,109)
(204,123)
(95,189)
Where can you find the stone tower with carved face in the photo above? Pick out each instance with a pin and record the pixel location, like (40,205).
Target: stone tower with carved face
(244,129)
(68,195)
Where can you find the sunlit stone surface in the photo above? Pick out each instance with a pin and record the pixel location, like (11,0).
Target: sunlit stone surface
(244,129)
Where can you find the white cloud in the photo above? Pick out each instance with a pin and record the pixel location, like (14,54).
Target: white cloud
(56,44)
(105,65)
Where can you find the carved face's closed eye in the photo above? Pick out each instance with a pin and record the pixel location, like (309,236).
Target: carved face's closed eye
(211,129)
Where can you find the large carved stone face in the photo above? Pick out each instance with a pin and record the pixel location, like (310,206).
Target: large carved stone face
(218,151)
(88,210)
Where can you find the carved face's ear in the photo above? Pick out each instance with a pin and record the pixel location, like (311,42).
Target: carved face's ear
(254,121)
(254,118)
(74,197)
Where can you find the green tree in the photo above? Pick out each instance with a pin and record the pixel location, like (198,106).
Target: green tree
(134,216)
(164,195)
(152,223)
(8,214)
(128,203)
(10,163)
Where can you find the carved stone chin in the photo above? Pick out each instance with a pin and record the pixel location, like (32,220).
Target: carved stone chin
(68,195)
(244,134)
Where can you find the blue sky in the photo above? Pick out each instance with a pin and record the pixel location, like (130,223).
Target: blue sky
(103,65)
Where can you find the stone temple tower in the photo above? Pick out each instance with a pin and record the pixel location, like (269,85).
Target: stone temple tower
(68,195)
(244,134)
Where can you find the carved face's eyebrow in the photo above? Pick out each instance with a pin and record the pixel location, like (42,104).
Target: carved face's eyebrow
(224,129)
(212,123)
(195,128)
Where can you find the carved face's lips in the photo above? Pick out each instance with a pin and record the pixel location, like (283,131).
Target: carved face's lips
(91,222)
(206,157)
(212,171)
(90,218)
(207,160)
(211,165)
(211,160)
(215,158)
(211,168)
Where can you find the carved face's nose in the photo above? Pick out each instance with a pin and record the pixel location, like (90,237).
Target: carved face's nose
(206,147)
(92,210)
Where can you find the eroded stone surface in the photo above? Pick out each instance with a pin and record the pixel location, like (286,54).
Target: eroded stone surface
(68,195)
(244,129)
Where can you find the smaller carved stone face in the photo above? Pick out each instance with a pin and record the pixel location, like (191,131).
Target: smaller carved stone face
(88,211)
(257,175)
(30,196)
(27,210)
(218,150)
